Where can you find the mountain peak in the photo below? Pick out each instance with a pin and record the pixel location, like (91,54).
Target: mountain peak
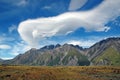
(48,47)
(57,45)
(32,49)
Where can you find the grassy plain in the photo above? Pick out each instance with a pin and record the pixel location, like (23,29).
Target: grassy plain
(59,73)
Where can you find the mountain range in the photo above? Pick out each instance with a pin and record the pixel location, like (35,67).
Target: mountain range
(105,52)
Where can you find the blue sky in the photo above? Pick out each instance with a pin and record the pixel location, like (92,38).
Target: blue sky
(26,24)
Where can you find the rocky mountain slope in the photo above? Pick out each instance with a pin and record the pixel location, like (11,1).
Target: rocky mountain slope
(105,52)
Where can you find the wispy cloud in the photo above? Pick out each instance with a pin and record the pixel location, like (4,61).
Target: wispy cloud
(4,46)
(19,48)
(47,7)
(7,58)
(15,2)
(21,3)
(76,4)
(6,39)
(12,28)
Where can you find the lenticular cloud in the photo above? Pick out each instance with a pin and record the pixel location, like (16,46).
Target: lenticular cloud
(34,30)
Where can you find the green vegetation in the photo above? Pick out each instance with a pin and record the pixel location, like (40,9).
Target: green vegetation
(109,56)
(54,61)
(59,73)
(82,59)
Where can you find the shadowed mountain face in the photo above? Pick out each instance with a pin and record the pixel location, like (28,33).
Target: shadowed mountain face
(1,60)
(105,52)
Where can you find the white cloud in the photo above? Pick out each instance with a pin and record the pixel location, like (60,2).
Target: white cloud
(7,58)
(19,48)
(12,28)
(83,43)
(9,52)
(4,46)
(5,38)
(34,30)
(74,42)
(76,4)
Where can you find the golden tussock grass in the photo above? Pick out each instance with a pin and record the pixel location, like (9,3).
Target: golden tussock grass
(59,73)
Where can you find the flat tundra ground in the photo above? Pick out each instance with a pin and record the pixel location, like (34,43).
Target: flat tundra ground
(59,73)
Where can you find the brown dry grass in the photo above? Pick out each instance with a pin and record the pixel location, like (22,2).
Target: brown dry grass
(59,73)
